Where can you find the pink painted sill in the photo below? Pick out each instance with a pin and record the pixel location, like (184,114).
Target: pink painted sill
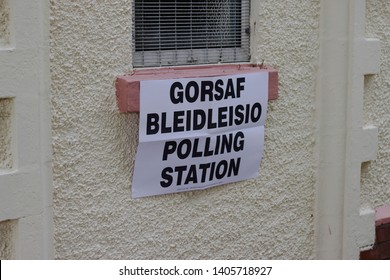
(382,215)
(128,86)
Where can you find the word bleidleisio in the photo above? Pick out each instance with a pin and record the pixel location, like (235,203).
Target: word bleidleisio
(198,119)
(191,120)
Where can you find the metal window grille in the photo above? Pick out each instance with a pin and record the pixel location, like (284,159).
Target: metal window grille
(182,32)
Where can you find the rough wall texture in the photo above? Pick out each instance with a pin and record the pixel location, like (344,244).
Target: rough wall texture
(5,133)
(7,244)
(4,22)
(375,175)
(287,37)
(94,149)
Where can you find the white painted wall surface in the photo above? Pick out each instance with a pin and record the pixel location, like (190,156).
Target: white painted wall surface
(343,143)
(94,146)
(26,230)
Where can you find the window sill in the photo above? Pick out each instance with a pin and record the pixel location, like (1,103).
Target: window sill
(128,86)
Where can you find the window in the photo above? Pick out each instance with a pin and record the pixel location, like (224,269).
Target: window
(185,32)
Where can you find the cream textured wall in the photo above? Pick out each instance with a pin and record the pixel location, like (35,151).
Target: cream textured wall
(7,240)
(5,133)
(376,174)
(4,22)
(94,148)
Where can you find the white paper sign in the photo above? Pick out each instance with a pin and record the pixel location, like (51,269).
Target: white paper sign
(197,133)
